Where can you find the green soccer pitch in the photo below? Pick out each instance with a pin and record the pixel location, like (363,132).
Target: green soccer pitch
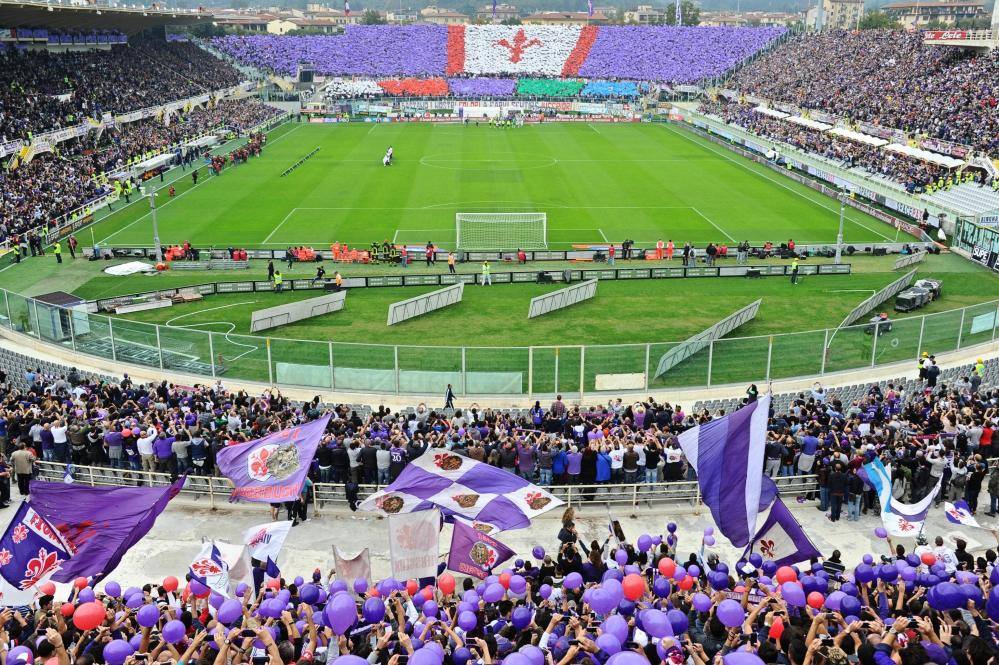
(596,183)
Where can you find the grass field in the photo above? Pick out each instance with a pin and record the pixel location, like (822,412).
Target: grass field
(596,182)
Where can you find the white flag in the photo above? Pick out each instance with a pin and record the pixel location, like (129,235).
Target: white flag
(413,544)
(211,569)
(352,568)
(265,541)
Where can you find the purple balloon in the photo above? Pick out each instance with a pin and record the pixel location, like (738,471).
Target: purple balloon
(602,601)
(849,605)
(627,658)
(341,613)
(467,621)
(113,589)
(337,585)
(230,611)
(644,542)
(701,602)
(241,589)
(741,658)
(116,651)
(471,596)
(881,532)
(373,610)
(572,581)
(521,618)
(671,527)
(518,584)
(216,600)
(174,631)
(545,591)
(709,541)
(360,586)
(20,655)
(608,643)
(349,659)
(147,616)
(533,653)
(616,626)
(135,601)
(678,620)
(430,609)
(730,613)
(538,552)
(494,592)
(834,599)
(621,556)
(793,594)
(656,623)
(309,593)
(661,587)
(86,595)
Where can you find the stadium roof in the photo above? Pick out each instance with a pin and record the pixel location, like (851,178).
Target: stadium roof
(65,16)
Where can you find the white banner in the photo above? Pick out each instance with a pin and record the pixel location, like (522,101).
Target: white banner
(413,544)
(211,569)
(10,147)
(266,540)
(353,568)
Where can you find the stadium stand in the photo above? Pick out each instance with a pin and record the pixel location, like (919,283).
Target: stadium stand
(548,88)
(667,54)
(887,78)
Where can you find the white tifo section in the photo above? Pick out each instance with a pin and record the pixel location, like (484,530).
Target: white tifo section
(566,297)
(501,230)
(516,49)
(271,317)
(428,302)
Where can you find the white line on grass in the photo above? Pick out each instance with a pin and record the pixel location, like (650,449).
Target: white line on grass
(280,224)
(773,180)
(705,217)
(232,326)
(602,235)
(590,125)
(169,201)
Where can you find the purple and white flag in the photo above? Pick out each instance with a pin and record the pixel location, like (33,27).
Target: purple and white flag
(475,553)
(101,523)
(272,469)
(31,552)
(265,541)
(211,569)
(465,487)
(959,512)
(900,519)
(727,455)
(781,539)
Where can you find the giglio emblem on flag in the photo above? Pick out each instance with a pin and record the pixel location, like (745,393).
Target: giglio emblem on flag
(515,49)
(31,551)
(959,512)
(727,455)
(781,539)
(494,498)
(900,519)
(211,569)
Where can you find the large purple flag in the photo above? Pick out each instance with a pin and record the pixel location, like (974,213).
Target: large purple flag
(727,455)
(473,552)
(495,499)
(272,469)
(31,552)
(102,523)
(781,539)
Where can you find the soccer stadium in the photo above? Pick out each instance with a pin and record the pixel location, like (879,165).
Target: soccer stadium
(620,336)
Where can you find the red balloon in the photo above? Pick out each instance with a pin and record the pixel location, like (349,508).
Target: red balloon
(80,582)
(271,584)
(667,567)
(686,583)
(66,609)
(446,584)
(374,593)
(928,558)
(411,587)
(89,616)
(816,600)
(428,593)
(47,589)
(504,579)
(170,583)
(634,586)
(126,432)
(786,574)
(186,593)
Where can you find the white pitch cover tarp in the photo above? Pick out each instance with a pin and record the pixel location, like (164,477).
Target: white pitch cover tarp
(130,268)
(413,544)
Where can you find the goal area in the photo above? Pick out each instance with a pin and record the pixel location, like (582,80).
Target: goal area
(501,230)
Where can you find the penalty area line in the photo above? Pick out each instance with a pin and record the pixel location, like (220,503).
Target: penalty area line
(280,224)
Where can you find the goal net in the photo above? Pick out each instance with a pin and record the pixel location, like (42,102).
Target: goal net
(501,230)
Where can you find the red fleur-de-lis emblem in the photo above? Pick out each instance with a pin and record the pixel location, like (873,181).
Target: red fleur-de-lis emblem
(905,525)
(768,548)
(20,533)
(520,44)
(257,464)
(5,557)
(39,567)
(206,567)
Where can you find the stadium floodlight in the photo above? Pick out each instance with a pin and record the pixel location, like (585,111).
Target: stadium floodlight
(493,231)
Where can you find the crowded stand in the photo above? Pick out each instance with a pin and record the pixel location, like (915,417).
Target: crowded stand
(914,174)
(886,78)
(126,78)
(54,184)
(666,54)
(480,88)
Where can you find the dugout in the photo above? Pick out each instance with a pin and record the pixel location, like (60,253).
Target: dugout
(60,315)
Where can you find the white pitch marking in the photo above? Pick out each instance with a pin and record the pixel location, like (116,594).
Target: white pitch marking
(280,224)
(713,224)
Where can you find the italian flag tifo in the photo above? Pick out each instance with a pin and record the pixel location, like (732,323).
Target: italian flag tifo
(516,49)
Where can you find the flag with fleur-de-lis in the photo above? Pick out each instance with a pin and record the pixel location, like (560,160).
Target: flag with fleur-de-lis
(781,539)
(494,499)
(31,551)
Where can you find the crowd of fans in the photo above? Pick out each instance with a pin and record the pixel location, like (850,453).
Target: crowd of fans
(125,78)
(913,173)
(54,184)
(630,603)
(887,78)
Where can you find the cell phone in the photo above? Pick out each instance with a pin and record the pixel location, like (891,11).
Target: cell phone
(140,656)
(826,638)
(247,632)
(404,658)
(573,642)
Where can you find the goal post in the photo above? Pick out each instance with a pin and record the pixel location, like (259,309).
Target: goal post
(501,230)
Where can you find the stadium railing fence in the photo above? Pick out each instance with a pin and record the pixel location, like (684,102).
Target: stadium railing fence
(331,496)
(542,370)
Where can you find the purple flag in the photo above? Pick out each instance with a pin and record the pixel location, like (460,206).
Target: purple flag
(494,498)
(473,552)
(781,539)
(589,7)
(494,8)
(31,551)
(727,455)
(272,469)
(102,523)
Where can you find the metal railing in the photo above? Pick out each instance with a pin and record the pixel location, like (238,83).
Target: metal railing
(332,497)
(573,370)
